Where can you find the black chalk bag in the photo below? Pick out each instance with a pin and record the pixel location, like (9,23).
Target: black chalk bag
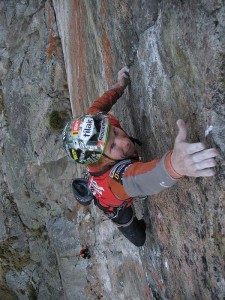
(81,191)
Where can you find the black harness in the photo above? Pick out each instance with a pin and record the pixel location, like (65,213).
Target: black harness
(84,196)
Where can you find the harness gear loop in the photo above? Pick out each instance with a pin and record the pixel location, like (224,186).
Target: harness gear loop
(116,210)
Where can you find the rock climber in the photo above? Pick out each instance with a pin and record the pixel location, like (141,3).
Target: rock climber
(116,175)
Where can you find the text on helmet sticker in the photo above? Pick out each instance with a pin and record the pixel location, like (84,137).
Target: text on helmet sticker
(87,129)
(74,154)
(75,127)
(103,131)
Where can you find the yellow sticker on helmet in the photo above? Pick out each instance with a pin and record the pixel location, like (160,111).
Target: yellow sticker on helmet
(74,133)
(75,127)
(74,153)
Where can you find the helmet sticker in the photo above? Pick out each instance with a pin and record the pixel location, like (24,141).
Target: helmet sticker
(82,156)
(75,127)
(103,131)
(67,150)
(87,129)
(74,154)
(81,145)
(100,144)
(64,136)
(76,144)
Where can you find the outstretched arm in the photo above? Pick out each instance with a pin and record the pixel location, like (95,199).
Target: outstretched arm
(109,98)
(186,159)
(143,178)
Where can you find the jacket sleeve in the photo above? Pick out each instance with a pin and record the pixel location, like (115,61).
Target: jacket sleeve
(106,101)
(148,178)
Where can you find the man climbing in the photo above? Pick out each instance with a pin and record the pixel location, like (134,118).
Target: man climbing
(116,174)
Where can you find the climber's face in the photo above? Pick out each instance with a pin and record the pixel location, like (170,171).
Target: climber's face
(119,146)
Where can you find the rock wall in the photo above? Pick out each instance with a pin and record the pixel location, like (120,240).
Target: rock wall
(175,50)
(33,84)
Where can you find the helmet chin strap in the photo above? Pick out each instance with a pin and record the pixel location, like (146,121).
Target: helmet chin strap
(108,157)
(118,160)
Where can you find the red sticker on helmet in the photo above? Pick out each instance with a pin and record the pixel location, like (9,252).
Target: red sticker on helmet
(100,144)
(75,127)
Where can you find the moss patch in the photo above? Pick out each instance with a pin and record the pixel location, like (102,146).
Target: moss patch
(11,257)
(6,294)
(57,120)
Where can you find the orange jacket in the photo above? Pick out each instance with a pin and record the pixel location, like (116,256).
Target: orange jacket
(129,180)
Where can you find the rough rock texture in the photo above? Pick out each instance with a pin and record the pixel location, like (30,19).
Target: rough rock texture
(175,50)
(33,171)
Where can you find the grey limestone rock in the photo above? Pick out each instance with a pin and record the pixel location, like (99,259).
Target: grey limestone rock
(61,55)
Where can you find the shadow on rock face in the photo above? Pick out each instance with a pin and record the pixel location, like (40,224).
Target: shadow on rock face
(56,168)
